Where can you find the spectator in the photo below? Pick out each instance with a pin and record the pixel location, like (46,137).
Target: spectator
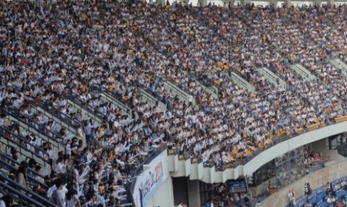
(22,174)
(6,201)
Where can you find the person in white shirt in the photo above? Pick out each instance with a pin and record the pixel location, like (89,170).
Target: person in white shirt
(60,168)
(61,193)
(180,204)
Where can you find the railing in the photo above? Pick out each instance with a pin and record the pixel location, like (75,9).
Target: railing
(84,106)
(31,180)
(19,197)
(22,139)
(237,80)
(69,122)
(105,92)
(10,159)
(15,188)
(269,75)
(207,83)
(150,93)
(207,89)
(172,87)
(300,71)
(56,140)
(8,143)
(150,100)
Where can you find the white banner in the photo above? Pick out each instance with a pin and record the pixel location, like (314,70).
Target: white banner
(149,181)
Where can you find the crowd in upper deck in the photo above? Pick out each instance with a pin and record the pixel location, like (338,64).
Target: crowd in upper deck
(55,54)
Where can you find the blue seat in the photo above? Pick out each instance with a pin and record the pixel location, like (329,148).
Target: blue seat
(322,204)
(320,196)
(340,193)
(313,200)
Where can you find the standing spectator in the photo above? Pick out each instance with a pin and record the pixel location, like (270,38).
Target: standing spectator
(290,197)
(306,190)
(60,193)
(22,174)
(6,201)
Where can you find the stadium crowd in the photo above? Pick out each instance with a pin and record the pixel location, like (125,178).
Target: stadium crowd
(54,55)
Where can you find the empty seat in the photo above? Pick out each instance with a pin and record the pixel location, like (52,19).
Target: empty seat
(320,196)
(340,193)
(322,204)
(312,200)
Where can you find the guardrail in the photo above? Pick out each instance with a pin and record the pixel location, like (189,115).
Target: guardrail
(110,96)
(67,122)
(170,86)
(148,98)
(10,159)
(56,140)
(239,81)
(298,70)
(82,105)
(31,180)
(9,185)
(23,151)
(207,89)
(5,133)
(279,146)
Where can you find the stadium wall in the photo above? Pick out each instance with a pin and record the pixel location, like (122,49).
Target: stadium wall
(153,187)
(316,180)
(292,143)
(184,168)
(163,196)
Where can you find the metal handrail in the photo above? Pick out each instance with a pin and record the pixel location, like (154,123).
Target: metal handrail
(178,92)
(4,156)
(2,130)
(56,113)
(110,94)
(18,145)
(205,88)
(269,74)
(118,103)
(43,201)
(20,196)
(148,96)
(50,138)
(84,106)
(207,85)
(31,180)
(244,85)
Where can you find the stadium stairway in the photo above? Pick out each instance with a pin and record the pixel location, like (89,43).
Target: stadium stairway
(81,105)
(108,96)
(240,82)
(206,85)
(53,114)
(151,99)
(272,77)
(340,65)
(21,195)
(30,128)
(25,150)
(303,72)
(177,91)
